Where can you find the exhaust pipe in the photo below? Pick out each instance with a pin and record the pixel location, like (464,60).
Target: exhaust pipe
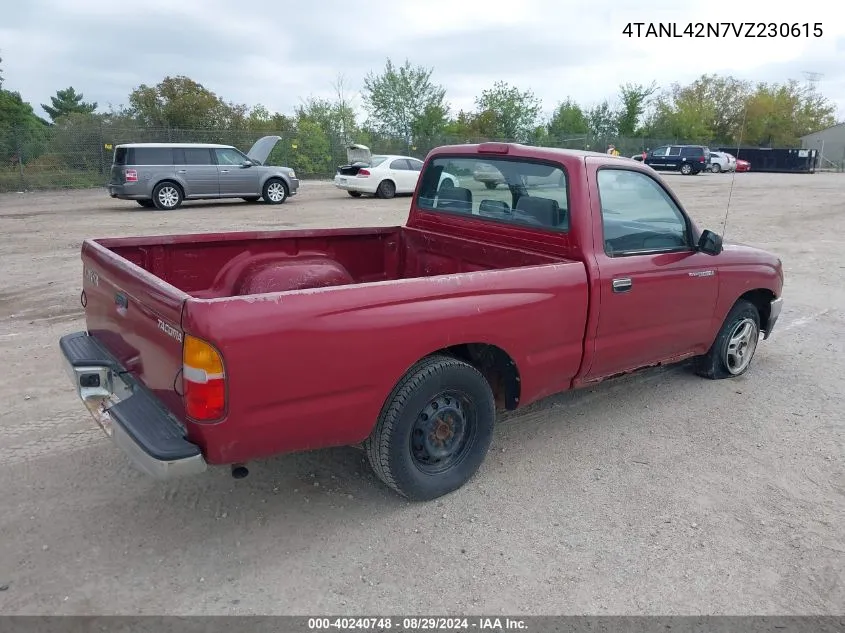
(239,471)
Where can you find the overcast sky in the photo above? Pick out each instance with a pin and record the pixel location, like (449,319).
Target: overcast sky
(276,52)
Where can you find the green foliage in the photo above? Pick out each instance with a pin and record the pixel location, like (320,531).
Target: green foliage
(400,97)
(511,113)
(181,103)
(601,120)
(568,119)
(67,102)
(634,98)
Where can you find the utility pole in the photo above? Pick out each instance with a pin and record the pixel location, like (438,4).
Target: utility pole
(812,79)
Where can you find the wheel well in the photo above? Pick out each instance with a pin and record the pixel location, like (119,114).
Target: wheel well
(761,299)
(384,180)
(171,182)
(496,365)
(279,178)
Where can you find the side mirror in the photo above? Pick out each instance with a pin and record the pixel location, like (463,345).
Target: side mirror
(246,163)
(710,243)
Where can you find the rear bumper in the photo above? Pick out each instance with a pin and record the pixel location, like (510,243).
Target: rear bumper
(353,183)
(128,191)
(128,413)
(774,314)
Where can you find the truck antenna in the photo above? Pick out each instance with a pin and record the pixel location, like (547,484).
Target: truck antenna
(733,177)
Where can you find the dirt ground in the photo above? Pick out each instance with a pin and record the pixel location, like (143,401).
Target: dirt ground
(657,494)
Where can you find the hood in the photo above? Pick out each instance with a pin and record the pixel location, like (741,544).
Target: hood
(262,148)
(358,154)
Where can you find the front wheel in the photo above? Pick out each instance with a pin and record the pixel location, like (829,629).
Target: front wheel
(715,168)
(734,347)
(434,430)
(275,191)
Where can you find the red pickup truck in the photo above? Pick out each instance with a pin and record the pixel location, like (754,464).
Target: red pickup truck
(225,348)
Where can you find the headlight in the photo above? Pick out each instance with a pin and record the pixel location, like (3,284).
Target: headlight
(292,174)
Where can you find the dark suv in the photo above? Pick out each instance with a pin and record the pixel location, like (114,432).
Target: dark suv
(687,159)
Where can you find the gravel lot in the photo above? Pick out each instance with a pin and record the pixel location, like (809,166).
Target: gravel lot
(658,494)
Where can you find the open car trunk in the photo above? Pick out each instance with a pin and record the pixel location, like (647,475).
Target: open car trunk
(239,264)
(357,157)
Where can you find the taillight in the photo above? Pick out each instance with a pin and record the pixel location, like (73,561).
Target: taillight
(203,381)
(363,173)
(701,160)
(130,175)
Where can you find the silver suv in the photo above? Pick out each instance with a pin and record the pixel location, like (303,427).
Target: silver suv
(163,175)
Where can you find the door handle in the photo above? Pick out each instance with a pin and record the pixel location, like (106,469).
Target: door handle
(181,171)
(622,284)
(224,171)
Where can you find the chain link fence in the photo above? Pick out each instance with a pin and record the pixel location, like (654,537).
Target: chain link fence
(78,154)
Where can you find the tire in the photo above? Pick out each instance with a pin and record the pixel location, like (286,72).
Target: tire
(167,196)
(715,168)
(399,452)
(490,185)
(147,204)
(386,189)
(686,169)
(722,360)
(275,191)
(252,198)
(354,194)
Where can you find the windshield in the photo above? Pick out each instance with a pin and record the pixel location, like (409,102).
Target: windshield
(514,191)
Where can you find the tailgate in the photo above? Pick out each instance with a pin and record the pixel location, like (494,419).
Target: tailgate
(137,318)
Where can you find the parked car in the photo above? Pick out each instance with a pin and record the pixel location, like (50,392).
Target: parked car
(163,175)
(382,175)
(722,161)
(221,349)
(687,159)
(742,165)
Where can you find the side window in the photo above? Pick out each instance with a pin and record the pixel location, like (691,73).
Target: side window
(400,163)
(638,215)
(674,151)
(228,157)
(416,165)
(198,156)
(692,152)
(153,156)
(660,151)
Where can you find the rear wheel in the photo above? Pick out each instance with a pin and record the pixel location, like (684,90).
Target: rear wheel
(434,430)
(686,169)
(354,194)
(734,347)
(386,189)
(275,191)
(715,168)
(167,196)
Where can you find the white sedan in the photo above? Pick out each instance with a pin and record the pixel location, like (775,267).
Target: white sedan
(382,175)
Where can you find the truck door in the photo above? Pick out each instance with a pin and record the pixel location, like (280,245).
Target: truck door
(657,292)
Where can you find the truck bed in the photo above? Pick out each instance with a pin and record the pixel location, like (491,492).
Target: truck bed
(230,265)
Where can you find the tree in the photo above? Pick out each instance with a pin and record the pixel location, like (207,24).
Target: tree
(601,120)
(634,98)
(398,98)
(567,119)
(779,114)
(344,110)
(1,73)
(182,103)
(66,102)
(515,111)
(27,130)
